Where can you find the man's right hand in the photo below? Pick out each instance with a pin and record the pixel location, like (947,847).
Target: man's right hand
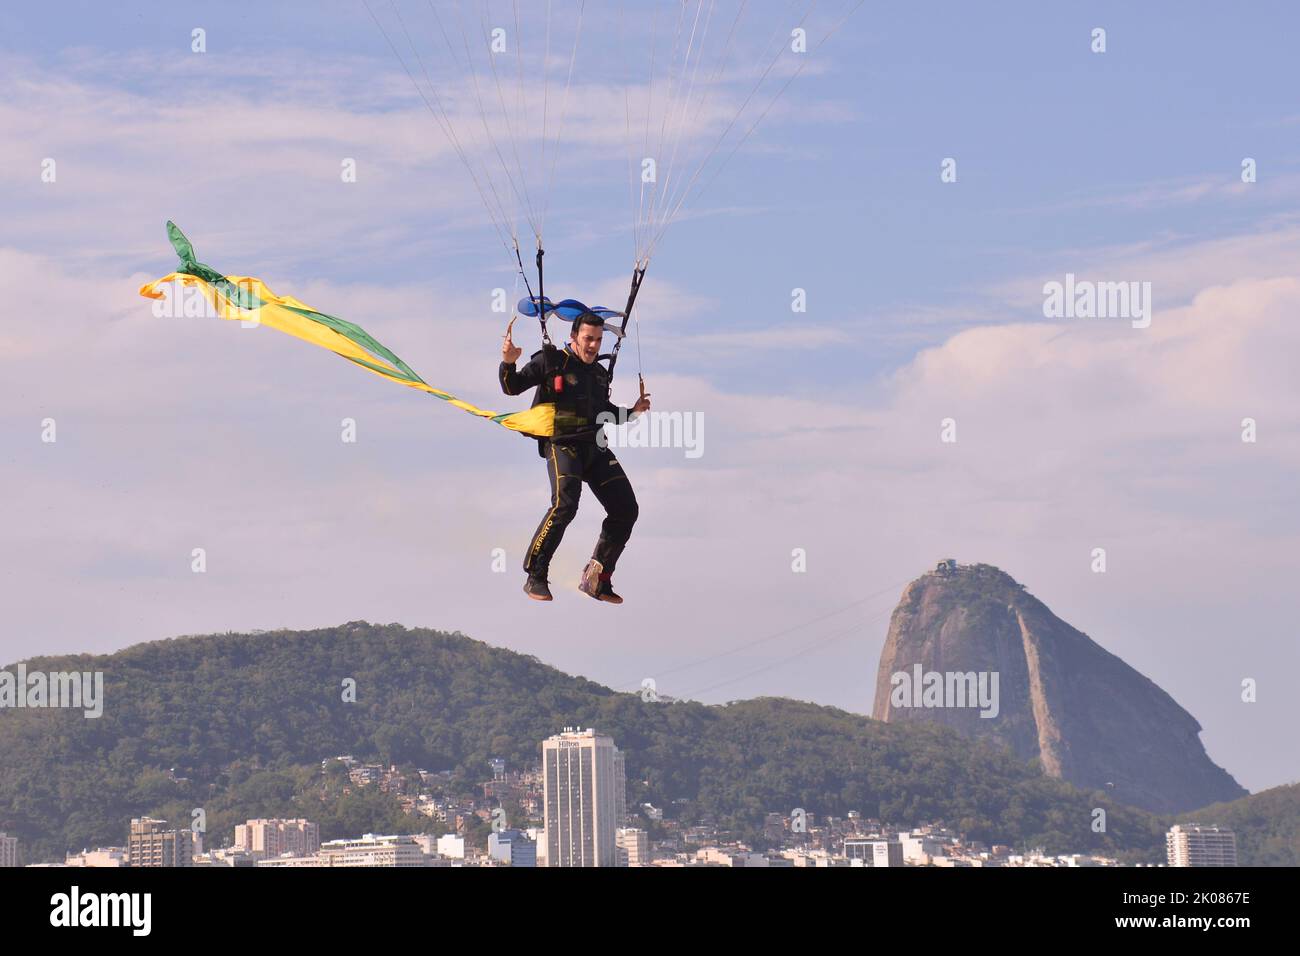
(509,351)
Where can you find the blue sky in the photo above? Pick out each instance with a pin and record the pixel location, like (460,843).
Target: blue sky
(924,299)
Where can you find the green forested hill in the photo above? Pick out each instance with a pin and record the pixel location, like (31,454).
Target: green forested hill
(247,718)
(1267,825)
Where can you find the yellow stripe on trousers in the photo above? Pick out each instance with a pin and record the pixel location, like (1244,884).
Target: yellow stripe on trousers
(546,525)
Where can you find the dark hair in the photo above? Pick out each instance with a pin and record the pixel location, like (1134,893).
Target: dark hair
(586,318)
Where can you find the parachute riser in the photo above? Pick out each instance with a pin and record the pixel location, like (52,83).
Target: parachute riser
(541,296)
(638,273)
(541,314)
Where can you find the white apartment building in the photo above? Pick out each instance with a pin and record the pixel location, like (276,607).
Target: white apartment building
(372,850)
(1191,845)
(266,838)
(104,856)
(633,846)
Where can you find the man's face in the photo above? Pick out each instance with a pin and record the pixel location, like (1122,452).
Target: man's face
(586,342)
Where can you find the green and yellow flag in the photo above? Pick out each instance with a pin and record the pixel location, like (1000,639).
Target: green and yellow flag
(244,298)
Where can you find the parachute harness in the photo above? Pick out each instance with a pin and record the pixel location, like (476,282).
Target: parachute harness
(543,307)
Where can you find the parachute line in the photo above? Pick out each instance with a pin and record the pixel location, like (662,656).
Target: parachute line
(704,88)
(444,122)
(803,62)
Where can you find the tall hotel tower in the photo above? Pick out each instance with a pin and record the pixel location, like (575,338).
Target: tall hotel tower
(585,793)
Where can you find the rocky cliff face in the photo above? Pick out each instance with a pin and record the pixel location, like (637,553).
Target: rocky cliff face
(1049,692)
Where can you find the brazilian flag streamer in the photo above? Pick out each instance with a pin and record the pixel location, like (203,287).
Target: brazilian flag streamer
(235,297)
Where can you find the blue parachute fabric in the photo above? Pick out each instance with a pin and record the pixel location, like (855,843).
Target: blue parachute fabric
(568,309)
(528,306)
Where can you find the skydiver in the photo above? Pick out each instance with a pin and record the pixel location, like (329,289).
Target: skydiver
(578,385)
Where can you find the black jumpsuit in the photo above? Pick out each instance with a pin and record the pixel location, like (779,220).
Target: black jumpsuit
(573,455)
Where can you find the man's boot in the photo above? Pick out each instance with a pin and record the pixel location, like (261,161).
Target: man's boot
(536,588)
(595,583)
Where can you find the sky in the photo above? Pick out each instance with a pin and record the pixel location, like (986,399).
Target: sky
(822,428)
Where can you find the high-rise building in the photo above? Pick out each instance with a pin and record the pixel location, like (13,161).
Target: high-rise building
(267,839)
(150,843)
(620,789)
(1201,846)
(8,850)
(585,794)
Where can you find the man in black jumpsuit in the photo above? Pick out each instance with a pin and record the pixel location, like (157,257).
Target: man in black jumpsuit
(578,385)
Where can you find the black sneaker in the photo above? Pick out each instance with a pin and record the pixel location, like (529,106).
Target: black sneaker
(537,589)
